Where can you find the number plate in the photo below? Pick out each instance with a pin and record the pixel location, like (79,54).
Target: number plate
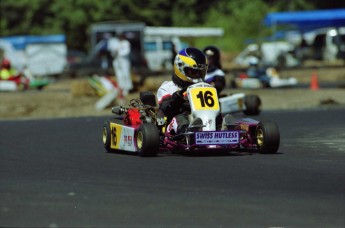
(216,137)
(205,98)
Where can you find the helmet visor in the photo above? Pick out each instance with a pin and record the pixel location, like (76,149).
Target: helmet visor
(194,73)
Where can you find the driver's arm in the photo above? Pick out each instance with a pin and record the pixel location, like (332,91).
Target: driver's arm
(171,105)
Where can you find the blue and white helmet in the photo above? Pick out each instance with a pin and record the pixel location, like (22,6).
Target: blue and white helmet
(190,66)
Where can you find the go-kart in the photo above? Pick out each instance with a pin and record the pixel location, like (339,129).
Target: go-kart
(264,78)
(140,129)
(22,81)
(249,104)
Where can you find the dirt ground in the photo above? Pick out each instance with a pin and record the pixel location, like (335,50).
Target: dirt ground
(67,97)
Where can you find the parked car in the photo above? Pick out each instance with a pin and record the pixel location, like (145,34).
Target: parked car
(81,64)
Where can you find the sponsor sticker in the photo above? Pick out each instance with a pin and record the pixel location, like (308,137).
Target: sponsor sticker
(216,137)
(130,140)
(122,137)
(115,135)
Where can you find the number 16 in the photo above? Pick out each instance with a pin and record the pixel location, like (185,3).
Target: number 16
(206,98)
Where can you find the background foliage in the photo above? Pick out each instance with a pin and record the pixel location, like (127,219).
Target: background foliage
(239,19)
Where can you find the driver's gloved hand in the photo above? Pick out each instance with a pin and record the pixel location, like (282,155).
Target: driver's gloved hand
(178,96)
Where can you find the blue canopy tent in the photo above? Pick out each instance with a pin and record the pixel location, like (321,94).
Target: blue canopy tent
(306,20)
(21,41)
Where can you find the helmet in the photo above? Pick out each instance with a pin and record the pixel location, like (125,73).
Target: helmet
(190,66)
(253,61)
(213,55)
(6,64)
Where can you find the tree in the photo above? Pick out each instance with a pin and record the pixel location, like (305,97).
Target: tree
(240,19)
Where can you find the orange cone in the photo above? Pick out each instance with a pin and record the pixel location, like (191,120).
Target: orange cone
(314,82)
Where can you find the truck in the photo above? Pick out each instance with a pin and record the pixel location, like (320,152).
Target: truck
(152,47)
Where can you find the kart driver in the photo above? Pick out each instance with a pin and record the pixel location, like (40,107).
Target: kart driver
(6,70)
(190,66)
(215,74)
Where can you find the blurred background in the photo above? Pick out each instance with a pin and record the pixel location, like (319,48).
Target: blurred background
(73,18)
(241,21)
(45,39)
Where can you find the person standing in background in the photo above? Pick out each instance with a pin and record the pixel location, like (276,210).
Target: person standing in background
(215,75)
(6,70)
(121,51)
(102,50)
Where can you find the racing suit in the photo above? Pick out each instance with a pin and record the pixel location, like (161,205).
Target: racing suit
(174,106)
(122,65)
(215,76)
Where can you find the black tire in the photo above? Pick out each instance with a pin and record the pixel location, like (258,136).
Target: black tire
(40,88)
(253,105)
(147,139)
(267,137)
(281,61)
(107,136)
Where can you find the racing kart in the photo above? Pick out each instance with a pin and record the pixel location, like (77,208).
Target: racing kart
(140,129)
(267,77)
(249,104)
(22,81)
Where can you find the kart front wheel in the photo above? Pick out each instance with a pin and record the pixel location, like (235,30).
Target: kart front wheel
(267,137)
(147,139)
(253,105)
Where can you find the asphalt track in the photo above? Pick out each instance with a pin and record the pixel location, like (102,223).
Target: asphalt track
(55,173)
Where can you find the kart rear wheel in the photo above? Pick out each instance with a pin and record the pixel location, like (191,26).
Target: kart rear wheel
(253,105)
(107,136)
(147,139)
(267,137)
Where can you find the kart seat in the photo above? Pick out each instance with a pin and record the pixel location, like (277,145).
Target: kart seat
(148,98)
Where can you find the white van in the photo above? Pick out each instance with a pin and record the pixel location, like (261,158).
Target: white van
(151,47)
(160,52)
